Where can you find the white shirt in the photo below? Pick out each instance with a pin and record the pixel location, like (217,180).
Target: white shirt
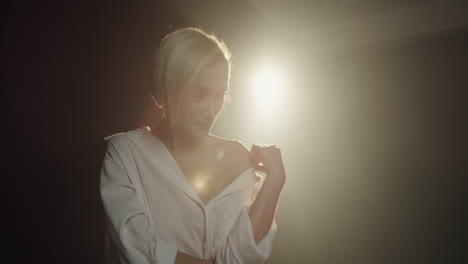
(152,210)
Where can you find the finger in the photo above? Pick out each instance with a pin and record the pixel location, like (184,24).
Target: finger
(260,168)
(255,153)
(255,149)
(253,159)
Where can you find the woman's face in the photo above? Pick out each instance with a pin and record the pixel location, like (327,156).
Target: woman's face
(206,99)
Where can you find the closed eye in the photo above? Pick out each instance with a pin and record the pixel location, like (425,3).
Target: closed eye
(203,92)
(199,96)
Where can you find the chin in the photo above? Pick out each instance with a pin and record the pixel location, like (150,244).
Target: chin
(200,134)
(203,134)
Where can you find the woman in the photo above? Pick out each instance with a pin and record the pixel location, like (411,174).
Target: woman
(176,193)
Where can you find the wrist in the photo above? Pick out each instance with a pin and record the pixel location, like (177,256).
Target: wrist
(275,181)
(276,172)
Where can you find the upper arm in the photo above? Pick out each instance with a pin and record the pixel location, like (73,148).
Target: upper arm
(130,223)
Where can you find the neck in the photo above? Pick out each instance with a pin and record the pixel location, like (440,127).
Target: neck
(176,141)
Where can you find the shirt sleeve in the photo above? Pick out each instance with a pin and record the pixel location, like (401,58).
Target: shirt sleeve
(240,247)
(135,240)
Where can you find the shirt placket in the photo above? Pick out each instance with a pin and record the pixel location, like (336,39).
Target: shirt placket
(206,243)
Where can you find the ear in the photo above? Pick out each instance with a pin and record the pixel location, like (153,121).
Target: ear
(160,106)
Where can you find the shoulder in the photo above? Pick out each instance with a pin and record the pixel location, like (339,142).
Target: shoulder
(236,151)
(118,143)
(232,144)
(130,134)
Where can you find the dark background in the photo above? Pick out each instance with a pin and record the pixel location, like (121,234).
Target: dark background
(77,72)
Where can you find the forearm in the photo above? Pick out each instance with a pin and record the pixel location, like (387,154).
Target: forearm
(264,207)
(183,258)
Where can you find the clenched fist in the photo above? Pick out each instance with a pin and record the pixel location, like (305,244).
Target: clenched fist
(267,159)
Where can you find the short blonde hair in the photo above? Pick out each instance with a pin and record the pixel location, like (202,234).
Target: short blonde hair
(182,55)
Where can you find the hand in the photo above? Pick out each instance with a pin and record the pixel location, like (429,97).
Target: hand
(267,159)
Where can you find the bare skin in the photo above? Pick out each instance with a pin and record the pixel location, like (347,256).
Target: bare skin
(205,160)
(211,170)
(236,159)
(197,152)
(264,207)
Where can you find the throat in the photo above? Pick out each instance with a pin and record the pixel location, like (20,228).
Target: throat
(179,142)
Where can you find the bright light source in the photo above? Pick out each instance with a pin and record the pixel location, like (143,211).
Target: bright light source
(268,87)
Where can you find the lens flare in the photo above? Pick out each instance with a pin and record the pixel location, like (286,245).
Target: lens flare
(268,87)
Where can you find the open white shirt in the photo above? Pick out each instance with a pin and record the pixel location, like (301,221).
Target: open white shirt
(152,210)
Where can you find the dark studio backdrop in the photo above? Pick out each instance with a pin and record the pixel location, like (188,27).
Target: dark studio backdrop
(376,142)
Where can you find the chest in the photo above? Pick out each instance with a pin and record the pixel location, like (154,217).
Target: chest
(209,173)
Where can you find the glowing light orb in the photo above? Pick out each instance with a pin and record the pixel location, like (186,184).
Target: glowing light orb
(268,87)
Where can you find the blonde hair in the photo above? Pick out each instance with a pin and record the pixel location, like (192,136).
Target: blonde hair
(182,55)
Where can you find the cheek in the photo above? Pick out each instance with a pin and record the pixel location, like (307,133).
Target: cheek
(195,110)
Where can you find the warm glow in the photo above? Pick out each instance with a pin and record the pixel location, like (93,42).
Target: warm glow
(268,87)
(199,184)
(200,181)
